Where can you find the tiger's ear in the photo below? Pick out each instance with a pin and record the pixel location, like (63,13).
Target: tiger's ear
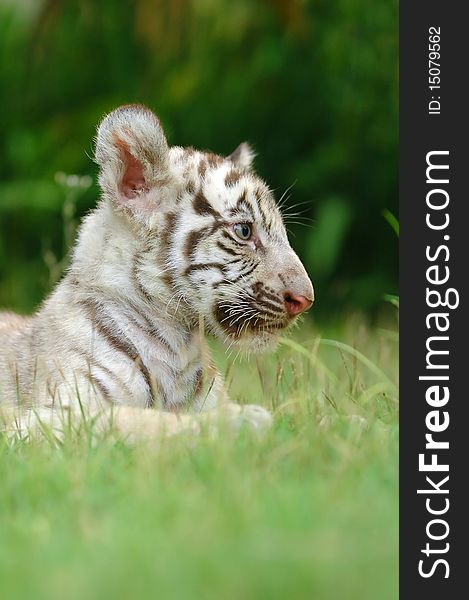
(132,152)
(243,156)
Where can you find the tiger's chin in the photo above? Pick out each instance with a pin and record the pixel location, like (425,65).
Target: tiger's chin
(260,342)
(253,341)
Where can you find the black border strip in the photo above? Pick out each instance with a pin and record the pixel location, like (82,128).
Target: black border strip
(420,133)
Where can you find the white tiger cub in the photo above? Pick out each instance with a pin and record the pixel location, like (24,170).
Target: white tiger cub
(180,240)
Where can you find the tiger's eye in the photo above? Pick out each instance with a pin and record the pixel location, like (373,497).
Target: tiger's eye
(243,230)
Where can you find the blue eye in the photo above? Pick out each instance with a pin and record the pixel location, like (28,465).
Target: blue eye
(243,230)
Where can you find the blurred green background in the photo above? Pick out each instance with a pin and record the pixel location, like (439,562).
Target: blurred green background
(311,84)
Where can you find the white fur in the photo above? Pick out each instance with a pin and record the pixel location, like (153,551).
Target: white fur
(123,328)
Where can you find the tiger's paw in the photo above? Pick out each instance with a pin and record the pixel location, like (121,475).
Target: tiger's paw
(254,417)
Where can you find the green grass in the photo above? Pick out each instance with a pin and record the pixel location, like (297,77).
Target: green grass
(308,511)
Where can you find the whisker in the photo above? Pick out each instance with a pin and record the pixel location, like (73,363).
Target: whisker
(302,223)
(302,203)
(281,202)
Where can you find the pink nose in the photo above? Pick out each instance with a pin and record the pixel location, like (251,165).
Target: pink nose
(294,305)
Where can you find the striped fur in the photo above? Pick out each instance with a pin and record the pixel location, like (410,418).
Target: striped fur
(157,256)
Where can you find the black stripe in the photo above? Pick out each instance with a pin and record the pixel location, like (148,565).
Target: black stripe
(192,240)
(203,207)
(152,331)
(244,203)
(213,160)
(202,266)
(166,243)
(259,197)
(217,225)
(228,237)
(94,364)
(121,344)
(138,285)
(245,274)
(241,199)
(269,305)
(272,297)
(235,260)
(232,177)
(97,383)
(120,383)
(202,167)
(264,219)
(170,225)
(226,249)
(265,312)
(199,382)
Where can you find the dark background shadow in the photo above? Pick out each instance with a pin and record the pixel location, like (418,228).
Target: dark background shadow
(312,85)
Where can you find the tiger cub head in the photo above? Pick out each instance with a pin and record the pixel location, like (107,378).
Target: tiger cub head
(208,236)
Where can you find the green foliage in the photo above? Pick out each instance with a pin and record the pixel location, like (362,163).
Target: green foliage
(327,238)
(391,219)
(312,84)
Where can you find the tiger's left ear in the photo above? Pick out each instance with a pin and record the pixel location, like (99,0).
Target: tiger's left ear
(132,152)
(243,156)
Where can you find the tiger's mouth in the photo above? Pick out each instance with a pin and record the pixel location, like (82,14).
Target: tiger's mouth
(242,323)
